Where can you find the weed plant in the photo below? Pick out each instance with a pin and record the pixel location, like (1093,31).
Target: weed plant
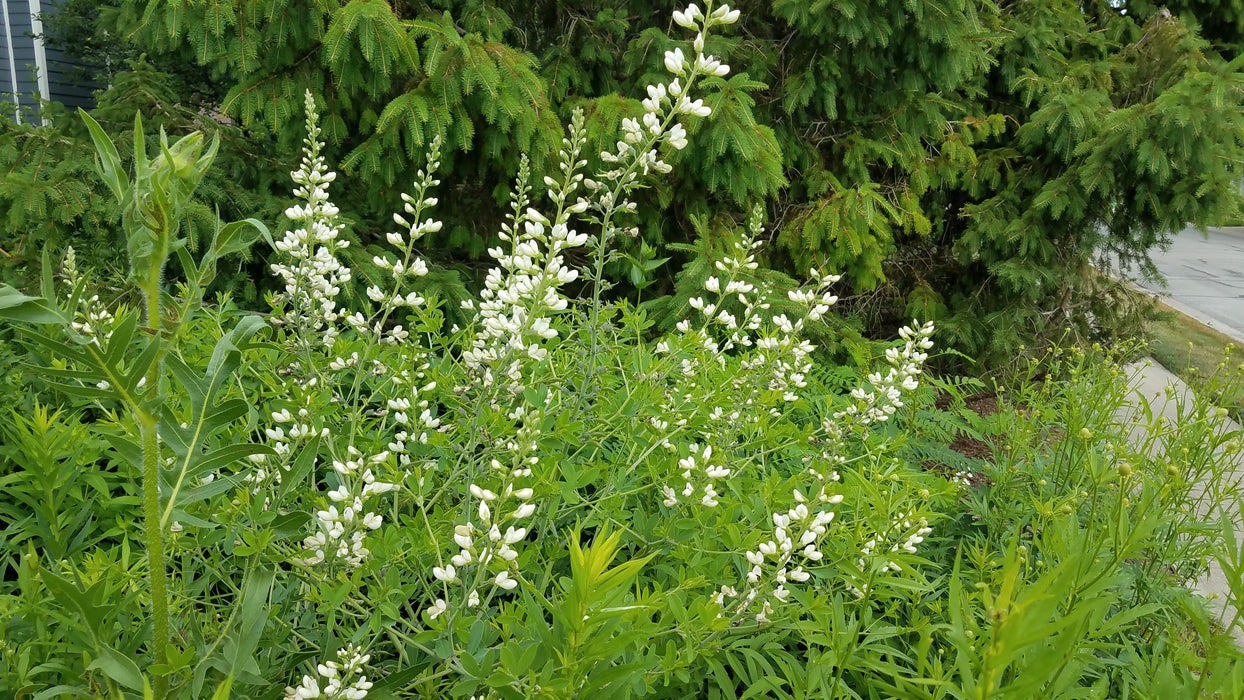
(346,498)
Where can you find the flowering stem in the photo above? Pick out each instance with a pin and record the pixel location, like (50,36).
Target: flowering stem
(607,224)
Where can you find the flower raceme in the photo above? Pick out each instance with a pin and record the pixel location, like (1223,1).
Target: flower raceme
(344,524)
(313,276)
(486,542)
(525,287)
(343,679)
(878,405)
(92,320)
(774,358)
(495,506)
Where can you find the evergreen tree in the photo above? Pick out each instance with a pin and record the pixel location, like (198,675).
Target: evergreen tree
(1219,21)
(1115,136)
(959,160)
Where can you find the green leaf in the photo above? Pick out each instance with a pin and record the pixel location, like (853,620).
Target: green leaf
(230,239)
(298,471)
(289,525)
(252,620)
(118,667)
(16,306)
(223,690)
(227,354)
(109,162)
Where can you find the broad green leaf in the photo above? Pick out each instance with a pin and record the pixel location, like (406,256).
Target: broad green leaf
(16,306)
(118,667)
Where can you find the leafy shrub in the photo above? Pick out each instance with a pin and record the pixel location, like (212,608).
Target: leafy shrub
(357,498)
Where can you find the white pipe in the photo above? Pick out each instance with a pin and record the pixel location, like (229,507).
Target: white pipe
(8,37)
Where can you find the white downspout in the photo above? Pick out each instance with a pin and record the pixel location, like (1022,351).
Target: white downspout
(41,57)
(8,37)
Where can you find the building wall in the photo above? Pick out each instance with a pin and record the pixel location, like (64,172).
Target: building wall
(63,84)
(21,54)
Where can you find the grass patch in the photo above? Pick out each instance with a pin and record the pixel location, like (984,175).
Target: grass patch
(1192,350)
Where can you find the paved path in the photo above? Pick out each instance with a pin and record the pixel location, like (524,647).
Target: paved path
(1205,278)
(1149,385)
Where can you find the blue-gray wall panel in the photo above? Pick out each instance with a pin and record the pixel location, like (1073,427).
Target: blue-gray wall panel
(63,85)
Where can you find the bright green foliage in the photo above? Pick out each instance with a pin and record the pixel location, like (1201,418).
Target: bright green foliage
(873,93)
(540,504)
(479,75)
(959,159)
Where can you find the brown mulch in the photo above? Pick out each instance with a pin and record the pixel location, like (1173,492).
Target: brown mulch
(984,404)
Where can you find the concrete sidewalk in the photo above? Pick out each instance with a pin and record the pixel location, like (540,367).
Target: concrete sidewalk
(1150,384)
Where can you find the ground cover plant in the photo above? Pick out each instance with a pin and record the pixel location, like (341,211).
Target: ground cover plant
(354,497)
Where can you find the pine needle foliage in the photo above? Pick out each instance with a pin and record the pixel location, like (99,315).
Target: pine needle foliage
(490,79)
(49,198)
(959,160)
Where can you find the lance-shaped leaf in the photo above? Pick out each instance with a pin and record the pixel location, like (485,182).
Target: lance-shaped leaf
(189,437)
(109,161)
(235,656)
(94,371)
(233,237)
(302,466)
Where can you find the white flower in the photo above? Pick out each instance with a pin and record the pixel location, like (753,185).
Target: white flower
(675,62)
(462,535)
(685,20)
(312,275)
(437,609)
(693,107)
(340,675)
(503,580)
(724,15)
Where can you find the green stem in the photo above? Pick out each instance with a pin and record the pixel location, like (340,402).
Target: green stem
(154,536)
(153,531)
(618,193)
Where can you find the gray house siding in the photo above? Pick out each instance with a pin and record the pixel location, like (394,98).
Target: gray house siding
(22,53)
(28,68)
(64,84)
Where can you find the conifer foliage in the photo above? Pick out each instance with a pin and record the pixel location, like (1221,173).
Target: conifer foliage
(961,160)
